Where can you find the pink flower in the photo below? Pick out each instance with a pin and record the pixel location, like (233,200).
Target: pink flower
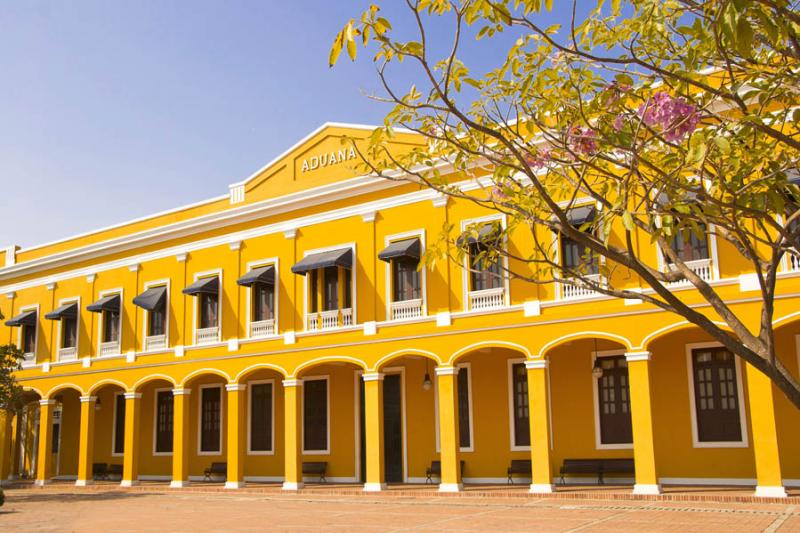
(619,123)
(674,116)
(582,141)
(538,159)
(498,193)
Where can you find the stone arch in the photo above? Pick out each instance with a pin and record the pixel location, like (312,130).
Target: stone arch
(105,382)
(256,367)
(648,340)
(786,320)
(28,388)
(326,360)
(153,377)
(488,344)
(64,386)
(612,337)
(204,371)
(399,354)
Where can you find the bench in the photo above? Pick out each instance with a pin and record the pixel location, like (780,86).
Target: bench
(99,471)
(215,469)
(436,470)
(597,467)
(114,470)
(317,468)
(519,466)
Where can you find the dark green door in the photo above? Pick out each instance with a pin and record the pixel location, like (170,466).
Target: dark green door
(393,428)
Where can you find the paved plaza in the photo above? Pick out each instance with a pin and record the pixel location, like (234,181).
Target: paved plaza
(154,508)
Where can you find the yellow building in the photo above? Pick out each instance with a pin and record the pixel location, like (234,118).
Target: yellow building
(283,332)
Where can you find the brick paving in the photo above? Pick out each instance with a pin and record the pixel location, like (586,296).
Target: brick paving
(208,507)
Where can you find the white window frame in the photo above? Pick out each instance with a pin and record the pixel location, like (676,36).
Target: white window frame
(25,309)
(401,371)
(696,443)
(250,385)
(102,317)
(713,256)
(155,421)
(114,436)
(327,450)
(598,444)
(353,284)
(389,239)
(146,314)
(465,278)
(258,264)
(512,423)
(601,260)
(60,338)
(471,447)
(201,388)
(196,305)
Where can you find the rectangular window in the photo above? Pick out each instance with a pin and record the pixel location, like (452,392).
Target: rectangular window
(56,432)
(613,401)
(576,256)
(209,305)
(28,339)
(313,288)
(210,419)
(69,332)
(315,415)
(119,424)
(406,279)
(483,275)
(464,430)
(689,246)
(331,288)
(261,417)
(164,416)
(263,302)
(716,395)
(519,396)
(110,326)
(157,321)
(348,288)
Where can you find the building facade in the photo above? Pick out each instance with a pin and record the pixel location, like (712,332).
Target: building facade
(284,330)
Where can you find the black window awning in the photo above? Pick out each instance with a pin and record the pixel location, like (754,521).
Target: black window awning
(342,257)
(578,216)
(106,303)
(152,298)
(28,318)
(203,286)
(485,233)
(69,310)
(405,249)
(265,275)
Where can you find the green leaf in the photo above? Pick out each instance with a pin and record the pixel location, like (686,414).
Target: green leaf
(723,144)
(627,221)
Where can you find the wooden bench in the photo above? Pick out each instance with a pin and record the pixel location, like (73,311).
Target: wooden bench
(519,466)
(99,471)
(317,468)
(597,467)
(114,470)
(436,470)
(215,469)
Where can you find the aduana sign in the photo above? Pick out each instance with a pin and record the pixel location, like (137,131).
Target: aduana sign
(334,157)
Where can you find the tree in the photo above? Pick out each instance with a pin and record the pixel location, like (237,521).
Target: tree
(677,118)
(10,391)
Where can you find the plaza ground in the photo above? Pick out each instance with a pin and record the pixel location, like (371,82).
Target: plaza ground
(105,507)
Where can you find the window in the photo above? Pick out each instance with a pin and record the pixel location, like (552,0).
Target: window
(315,415)
(211,419)
(313,289)
(209,305)
(111,326)
(331,289)
(716,395)
(483,275)
(575,256)
(689,246)
(519,401)
(164,417)
(406,280)
(69,332)
(261,417)
(263,302)
(28,339)
(119,424)
(157,321)
(613,401)
(464,418)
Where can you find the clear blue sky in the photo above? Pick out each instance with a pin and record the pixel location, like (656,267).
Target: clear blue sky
(112,110)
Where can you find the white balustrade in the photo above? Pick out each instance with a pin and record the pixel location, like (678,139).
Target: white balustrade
(701,267)
(155,342)
(28,358)
(580,290)
(487,299)
(793,262)
(329,319)
(68,354)
(109,348)
(207,335)
(406,309)
(262,328)
(347,317)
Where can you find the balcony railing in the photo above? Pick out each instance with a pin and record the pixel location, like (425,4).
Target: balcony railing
(109,348)
(207,335)
(28,359)
(487,299)
(333,319)
(701,267)
(581,290)
(406,309)
(68,354)
(793,262)
(262,328)
(155,342)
